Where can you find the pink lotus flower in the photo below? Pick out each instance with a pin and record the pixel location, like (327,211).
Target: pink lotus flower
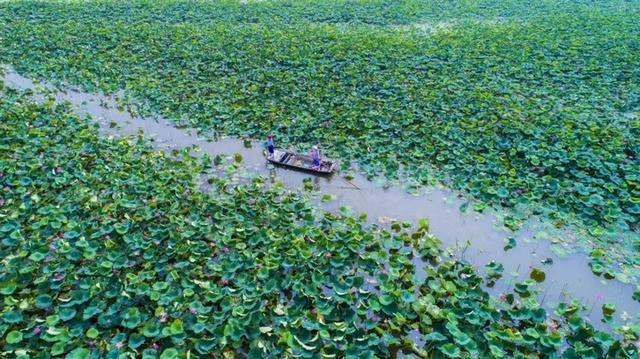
(193,310)
(119,345)
(155,346)
(37,330)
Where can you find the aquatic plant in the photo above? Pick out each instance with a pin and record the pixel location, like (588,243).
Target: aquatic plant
(108,248)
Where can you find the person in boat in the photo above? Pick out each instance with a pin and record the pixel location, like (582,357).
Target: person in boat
(270,145)
(315,157)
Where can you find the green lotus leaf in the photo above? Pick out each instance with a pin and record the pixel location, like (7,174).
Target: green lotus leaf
(121,228)
(608,309)
(176,327)
(136,340)
(434,337)
(204,346)
(58,348)
(44,301)
(7,288)
(52,320)
(449,350)
(604,339)
(91,311)
(78,353)
(151,329)
(37,256)
(131,318)
(496,352)
(198,328)
(510,243)
(170,353)
(537,275)
(385,299)
(149,354)
(71,235)
(67,313)
(552,340)
(12,317)
(14,337)
(92,333)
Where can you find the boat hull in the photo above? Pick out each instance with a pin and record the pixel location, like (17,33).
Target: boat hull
(301,162)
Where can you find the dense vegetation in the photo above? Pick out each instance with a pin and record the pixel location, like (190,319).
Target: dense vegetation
(531,105)
(109,248)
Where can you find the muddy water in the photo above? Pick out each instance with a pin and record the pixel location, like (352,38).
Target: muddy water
(473,237)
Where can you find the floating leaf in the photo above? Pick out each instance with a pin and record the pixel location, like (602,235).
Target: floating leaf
(44,301)
(509,243)
(450,350)
(537,275)
(92,333)
(170,353)
(78,353)
(14,337)
(608,309)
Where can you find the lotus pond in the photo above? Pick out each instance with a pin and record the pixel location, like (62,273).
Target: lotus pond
(476,238)
(109,249)
(529,106)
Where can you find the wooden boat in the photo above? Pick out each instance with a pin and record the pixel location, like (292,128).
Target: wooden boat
(301,162)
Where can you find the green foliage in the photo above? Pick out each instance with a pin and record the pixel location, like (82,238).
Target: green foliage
(537,275)
(138,262)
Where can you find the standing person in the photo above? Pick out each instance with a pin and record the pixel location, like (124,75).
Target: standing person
(315,157)
(270,146)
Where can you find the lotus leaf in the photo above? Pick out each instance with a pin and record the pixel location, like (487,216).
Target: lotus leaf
(14,337)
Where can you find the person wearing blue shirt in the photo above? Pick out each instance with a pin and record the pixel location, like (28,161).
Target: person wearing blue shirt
(270,146)
(315,157)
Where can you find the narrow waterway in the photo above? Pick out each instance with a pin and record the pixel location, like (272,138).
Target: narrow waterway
(475,237)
